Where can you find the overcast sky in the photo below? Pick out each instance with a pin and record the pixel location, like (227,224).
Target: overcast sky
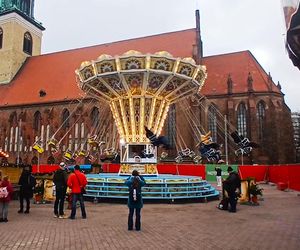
(226,26)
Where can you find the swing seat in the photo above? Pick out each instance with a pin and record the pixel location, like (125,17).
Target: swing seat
(93,141)
(55,152)
(192,154)
(109,151)
(111,156)
(92,158)
(238,152)
(164,155)
(83,153)
(52,143)
(178,159)
(205,139)
(197,159)
(38,147)
(247,150)
(68,155)
(186,152)
(244,143)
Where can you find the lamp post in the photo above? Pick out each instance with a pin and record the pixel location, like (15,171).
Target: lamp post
(18,142)
(226,142)
(38,166)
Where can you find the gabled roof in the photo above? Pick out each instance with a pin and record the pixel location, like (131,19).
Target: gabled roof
(237,65)
(55,73)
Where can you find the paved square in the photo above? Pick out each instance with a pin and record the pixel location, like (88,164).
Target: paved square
(275,224)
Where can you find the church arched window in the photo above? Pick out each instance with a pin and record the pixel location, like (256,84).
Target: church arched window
(212,122)
(261,114)
(27,43)
(242,119)
(37,121)
(95,117)
(1,38)
(13,119)
(65,119)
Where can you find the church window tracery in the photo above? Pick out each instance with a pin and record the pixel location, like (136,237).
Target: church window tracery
(242,119)
(65,119)
(37,121)
(261,114)
(212,122)
(95,117)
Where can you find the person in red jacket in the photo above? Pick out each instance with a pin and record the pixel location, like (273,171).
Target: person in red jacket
(5,199)
(76,182)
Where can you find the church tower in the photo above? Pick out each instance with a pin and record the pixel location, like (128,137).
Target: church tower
(20,36)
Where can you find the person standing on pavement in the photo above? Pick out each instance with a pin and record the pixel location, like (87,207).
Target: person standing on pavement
(77,182)
(5,198)
(135,200)
(60,181)
(218,176)
(27,183)
(233,186)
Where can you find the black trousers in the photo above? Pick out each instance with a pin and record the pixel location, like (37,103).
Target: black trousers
(60,195)
(232,201)
(137,218)
(22,197)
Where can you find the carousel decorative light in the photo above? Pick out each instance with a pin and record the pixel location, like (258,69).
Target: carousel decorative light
(140,88)
(3,154)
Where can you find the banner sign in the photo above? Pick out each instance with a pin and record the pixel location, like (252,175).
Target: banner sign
(211,172)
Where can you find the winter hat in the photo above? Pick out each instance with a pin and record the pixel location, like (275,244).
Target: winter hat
(62,165)
(229,169)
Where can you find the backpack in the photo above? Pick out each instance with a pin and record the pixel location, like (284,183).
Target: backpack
(135,195)
(3,192)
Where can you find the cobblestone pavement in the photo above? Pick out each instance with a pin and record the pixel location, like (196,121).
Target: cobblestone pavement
(275,224)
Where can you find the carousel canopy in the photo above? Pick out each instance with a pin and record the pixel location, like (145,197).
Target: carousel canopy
(140,88)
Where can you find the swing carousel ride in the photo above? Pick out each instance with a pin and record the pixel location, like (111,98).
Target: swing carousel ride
(139,89)
(136,91)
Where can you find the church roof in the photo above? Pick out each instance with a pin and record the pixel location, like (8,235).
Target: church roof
(54,73)
(237,66)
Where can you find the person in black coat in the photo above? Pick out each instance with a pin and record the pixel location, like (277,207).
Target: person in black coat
(60,181)
(27,183)
(232,185)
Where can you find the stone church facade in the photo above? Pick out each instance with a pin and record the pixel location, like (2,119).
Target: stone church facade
(39,97)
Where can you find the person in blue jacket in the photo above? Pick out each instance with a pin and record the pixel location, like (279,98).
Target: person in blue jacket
(135,200)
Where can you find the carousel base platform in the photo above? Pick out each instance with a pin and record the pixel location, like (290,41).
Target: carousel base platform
(159,188)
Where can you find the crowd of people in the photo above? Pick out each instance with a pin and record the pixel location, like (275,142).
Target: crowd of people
(77,182)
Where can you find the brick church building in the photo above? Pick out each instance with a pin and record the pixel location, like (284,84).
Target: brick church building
(39,96)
